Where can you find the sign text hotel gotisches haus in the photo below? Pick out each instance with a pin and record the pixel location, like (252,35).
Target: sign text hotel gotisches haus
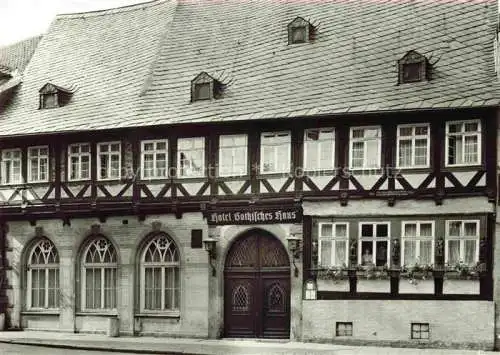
(255,216)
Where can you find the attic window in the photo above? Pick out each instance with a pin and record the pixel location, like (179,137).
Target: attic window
(413,67)
(52,96)
(204,87)
(300,31)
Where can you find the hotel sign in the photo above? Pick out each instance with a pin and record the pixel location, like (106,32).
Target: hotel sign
(255,216)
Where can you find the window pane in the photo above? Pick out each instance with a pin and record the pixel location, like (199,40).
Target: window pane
(341,230)
(470,229)
(340,251)
(453,252)
(326,252)
(381,255)
(410,253)
(421,152)
(373,154)
(470,252)
(358,154)
(410,230)
(326,230)
(471,127)
(110,288)
(382,230)
(426,229)
(454,228)
(455,150)
(471,149)
(405,131)
(298,35)
(366,230)
(367,250)
(426,252)
(405,153)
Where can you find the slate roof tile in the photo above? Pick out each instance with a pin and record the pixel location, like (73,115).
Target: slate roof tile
(134,65)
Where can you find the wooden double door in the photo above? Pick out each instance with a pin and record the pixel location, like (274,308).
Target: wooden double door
(257,288)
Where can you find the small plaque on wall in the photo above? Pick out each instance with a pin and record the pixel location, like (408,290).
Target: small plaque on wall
(196,238)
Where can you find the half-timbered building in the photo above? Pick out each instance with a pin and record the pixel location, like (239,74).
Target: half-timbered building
(336,159)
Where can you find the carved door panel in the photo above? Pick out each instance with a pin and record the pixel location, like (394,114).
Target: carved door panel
(257,289)
(241,306)
(276,306)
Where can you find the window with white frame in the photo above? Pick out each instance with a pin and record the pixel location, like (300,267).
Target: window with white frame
(154,159)
(108,160)
(160,275)
(333,244)
(11,166)
(275,151)
(233,155)
(462,242)
(365,146)
(374,243)
(191,157)
(38,164)
(463,142)
(43,276)
(99,275)
(79,161)
(319,149)
(417,243)
(413,143)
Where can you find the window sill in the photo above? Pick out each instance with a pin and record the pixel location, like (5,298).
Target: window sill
(158,315)
(54,312)
(97,313)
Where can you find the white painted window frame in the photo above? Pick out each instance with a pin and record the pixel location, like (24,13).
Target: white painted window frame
(154,152)
(275,151)
(353,140)
(374,240)
(333,238)
(102,267)
(463,135)
(79,155)
(318,144)
(418,238)
(179,151)
(29,281)
(39,157)
(163,266)
(109,154)
(413,138)
(233,150)
(12,179)
(462,238)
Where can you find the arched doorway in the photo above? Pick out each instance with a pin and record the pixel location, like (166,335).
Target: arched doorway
(257,287)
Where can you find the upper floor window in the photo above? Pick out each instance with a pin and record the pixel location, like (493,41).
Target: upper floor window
(300,31)
(154,155)
(233,155)
(43,276)
(205,87)
(11,166)
(333,244)
(191,157)
(38,164)
(413,67)
(462,242)
(463,142)
(160,275)
(275,151)
(79,161)
(373,244)
(365,147)
(108,160)
(413,146)
(319,149)
(99,267)
(417,243)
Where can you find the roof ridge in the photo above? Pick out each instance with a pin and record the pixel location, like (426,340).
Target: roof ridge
(110,11)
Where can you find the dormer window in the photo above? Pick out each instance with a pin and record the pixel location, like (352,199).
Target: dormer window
(300,31)
(52,96)
(413,67)
(205,87)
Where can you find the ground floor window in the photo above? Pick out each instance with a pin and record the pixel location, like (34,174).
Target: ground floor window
(43,276)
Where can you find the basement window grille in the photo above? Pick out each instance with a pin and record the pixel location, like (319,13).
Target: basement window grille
(343,329)
(420,330)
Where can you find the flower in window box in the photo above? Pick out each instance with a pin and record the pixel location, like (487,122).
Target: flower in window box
(416,272)
(334,273)
(463,271)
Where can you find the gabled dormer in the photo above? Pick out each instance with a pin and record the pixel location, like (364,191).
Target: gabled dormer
(300,31)
(52,96)
(205,87)
(413,67)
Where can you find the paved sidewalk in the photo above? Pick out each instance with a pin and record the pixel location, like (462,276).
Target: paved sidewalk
(153,345)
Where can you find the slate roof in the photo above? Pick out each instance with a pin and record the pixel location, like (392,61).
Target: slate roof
(133,66)
(17,55)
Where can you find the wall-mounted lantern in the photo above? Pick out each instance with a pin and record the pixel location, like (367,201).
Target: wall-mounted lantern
(210,246)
